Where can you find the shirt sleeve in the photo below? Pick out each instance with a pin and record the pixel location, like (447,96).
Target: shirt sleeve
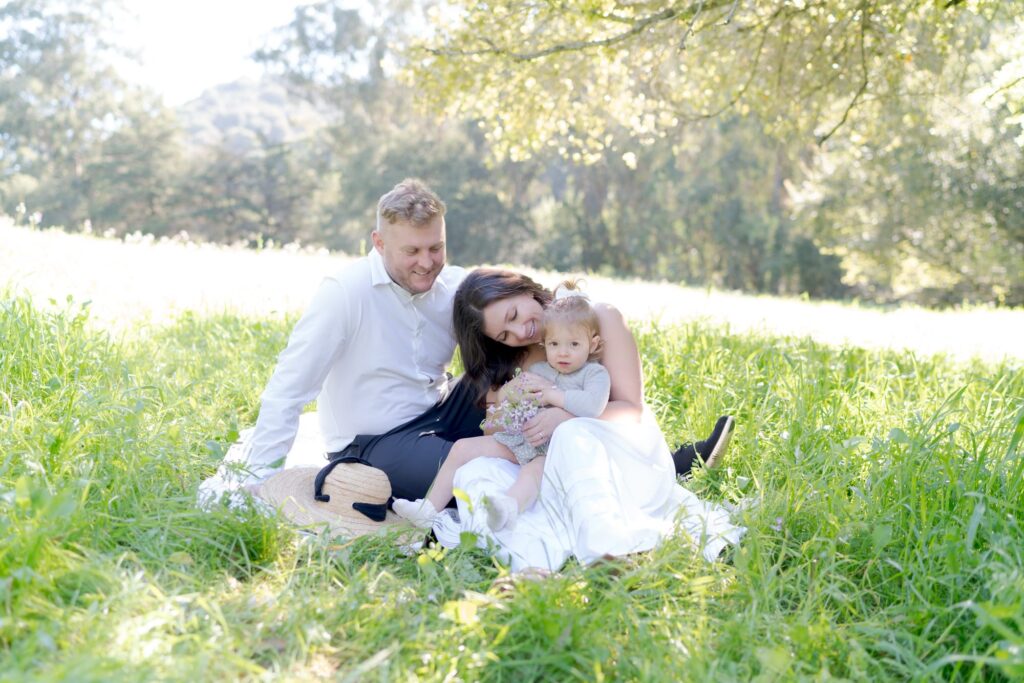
(316,342)
(591,399)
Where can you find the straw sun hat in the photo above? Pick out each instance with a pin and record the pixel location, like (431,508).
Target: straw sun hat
(347,496)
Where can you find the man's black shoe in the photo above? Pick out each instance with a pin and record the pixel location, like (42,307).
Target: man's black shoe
(708,453)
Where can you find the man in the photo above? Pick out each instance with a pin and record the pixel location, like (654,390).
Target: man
(372,349)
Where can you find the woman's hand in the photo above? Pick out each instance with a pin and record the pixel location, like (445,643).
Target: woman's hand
(540,427)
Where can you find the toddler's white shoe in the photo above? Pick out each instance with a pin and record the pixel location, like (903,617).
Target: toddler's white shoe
(502,511)
(420,512)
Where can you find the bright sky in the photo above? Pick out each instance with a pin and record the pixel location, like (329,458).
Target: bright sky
(187,46)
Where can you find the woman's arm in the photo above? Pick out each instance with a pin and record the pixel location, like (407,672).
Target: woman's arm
(622,361)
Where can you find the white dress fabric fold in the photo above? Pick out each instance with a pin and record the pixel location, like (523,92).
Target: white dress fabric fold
(609,489)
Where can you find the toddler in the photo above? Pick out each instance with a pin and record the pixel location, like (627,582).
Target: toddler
(570,379)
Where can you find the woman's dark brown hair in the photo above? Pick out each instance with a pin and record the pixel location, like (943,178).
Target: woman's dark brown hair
(489,363)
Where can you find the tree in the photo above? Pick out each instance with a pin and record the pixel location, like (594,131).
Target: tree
(76,143)
(928,204)
(337,58)
(710,206)
(129,183)
(888,89)
(267,192)
(572,74)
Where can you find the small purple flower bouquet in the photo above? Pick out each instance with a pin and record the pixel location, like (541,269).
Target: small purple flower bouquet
(513,411)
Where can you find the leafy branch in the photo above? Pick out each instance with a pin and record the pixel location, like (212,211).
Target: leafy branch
(636,26)
(863,84)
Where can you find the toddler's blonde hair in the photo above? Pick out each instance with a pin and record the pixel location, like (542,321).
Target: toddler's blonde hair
(573,309)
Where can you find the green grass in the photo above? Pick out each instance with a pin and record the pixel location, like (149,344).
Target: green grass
(887,542)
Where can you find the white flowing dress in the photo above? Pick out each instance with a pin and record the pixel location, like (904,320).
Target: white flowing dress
(608,489)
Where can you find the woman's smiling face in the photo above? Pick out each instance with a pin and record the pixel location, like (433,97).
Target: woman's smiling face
(515,321)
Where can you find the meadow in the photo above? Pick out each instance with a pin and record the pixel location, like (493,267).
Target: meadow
(885,542)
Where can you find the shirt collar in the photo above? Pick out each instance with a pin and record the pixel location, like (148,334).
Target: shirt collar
(379,278)
(378,273)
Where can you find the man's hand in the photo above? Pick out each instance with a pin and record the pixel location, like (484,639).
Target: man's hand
(539,428)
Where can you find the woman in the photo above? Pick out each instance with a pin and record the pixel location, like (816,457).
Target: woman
(609,486)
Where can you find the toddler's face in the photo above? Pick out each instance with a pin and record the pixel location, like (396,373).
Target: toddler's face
(568,348)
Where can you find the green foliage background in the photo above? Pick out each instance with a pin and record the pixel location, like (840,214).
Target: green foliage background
(841,149)
(886,539)
(886,543)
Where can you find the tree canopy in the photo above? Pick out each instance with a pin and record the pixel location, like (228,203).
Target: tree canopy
(584,75)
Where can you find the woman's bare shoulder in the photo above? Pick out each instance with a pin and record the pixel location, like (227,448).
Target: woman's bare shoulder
(620,357)
(608,314)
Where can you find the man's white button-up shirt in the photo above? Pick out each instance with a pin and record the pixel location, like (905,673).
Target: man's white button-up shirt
(372,354)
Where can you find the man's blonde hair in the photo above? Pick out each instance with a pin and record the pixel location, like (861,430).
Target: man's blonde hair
(410,201)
